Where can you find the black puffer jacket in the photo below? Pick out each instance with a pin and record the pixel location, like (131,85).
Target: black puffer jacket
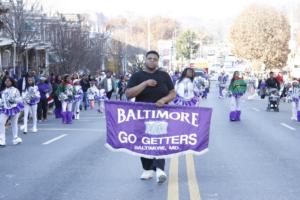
(273,83)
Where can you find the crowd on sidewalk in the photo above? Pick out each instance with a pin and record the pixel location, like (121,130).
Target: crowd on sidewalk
(33,96)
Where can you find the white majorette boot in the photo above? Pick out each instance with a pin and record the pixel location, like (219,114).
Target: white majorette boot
(147,174)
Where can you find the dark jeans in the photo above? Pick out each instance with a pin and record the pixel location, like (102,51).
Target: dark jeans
(152,164)
(108,94)
(57,102)
(42,109)
(85,101)
(121,95)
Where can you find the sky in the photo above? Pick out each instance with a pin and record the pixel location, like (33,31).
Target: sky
(209,9)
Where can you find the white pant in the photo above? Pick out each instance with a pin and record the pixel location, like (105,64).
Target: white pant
(14,125)
(66,107)
(101,106)
(295,109)
(77,107)
(33,110)
(235,103)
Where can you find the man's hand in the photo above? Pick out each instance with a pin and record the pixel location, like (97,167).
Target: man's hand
(160,103)
(151,83)
(136,90)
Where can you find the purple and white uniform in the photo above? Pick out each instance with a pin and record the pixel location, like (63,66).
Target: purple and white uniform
(11,104)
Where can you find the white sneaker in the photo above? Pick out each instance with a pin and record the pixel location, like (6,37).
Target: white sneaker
(2,143)
(161,176)
(22,127)
(294,118)
(17,140)
(147,174)
(34,130)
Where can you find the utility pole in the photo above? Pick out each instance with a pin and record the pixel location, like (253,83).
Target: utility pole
(148,32)
(14,44)
(125,52)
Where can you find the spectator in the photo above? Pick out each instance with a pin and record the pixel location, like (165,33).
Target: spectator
(108,84)
(45,91)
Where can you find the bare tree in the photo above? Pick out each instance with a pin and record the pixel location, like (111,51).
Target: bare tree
(98,51)
(19,24)
(3,10)
(70,44)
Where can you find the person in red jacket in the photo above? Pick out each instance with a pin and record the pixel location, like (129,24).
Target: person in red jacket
(279,78)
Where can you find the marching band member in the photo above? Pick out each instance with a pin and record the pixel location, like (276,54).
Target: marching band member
(294,93)
(187,92)
(57,102)
(262,86)
(222,79)
(66,94)
(92,93)
(237,89)
(31,97)
(251,83)
(100,100)
(11,106)
(78,98)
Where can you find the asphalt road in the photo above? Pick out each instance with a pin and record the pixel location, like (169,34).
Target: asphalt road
(257,158)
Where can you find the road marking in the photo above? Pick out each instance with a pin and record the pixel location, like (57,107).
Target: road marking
(54,139)
(255,109)
(192,178)
(72,129)
(287,126)
(173,190)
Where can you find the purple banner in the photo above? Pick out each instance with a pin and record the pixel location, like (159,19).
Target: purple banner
(146,130)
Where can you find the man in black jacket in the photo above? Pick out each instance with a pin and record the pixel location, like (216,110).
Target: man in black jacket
(272,82)
(153,86)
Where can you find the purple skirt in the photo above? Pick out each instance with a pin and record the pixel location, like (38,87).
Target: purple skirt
(78,98)
(69,100)
(183,102)
(13,111)
(296,100)
(34,101)
(98,98)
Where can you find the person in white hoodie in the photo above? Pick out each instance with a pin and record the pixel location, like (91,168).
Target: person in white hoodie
(100,98)
(11,105)
(294,94)
(92,93)
(187,92)
(77,98)
(31,97)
